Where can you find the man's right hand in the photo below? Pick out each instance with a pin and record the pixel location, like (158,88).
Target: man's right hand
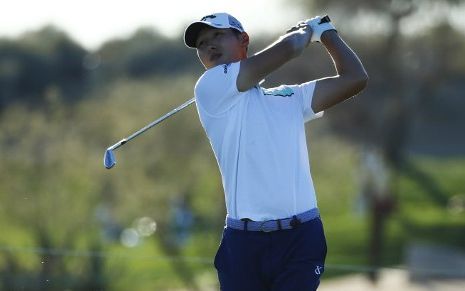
(303,31)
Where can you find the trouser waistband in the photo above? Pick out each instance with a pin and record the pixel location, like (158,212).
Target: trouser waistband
(273,225)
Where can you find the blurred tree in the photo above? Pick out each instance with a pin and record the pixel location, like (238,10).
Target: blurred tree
(47,193)
(38,61)
(145,53)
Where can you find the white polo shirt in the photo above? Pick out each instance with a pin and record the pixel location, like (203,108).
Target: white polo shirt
(258,138)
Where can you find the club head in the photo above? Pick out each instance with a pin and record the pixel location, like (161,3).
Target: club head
(109,159)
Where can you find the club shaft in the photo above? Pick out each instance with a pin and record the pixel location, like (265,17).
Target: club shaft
(152,124)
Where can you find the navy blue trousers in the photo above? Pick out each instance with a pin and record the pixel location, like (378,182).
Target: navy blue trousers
(284,260)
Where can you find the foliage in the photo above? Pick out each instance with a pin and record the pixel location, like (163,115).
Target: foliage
(38,61)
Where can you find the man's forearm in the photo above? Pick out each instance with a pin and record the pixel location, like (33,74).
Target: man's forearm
(257,67)
(347,63)
(351,76)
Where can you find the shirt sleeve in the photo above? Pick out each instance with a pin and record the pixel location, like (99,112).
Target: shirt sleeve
(305,92)
(216,90)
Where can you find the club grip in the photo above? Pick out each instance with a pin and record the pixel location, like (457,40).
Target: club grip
(325,19)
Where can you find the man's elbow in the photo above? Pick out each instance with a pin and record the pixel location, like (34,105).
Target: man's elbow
(359,81)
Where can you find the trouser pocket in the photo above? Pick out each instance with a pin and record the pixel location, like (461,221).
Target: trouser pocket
(218,262)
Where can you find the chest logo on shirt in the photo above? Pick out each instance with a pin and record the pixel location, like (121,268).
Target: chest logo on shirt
(281,91)
(225,68)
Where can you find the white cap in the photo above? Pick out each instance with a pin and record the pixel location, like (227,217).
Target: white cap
(216,20)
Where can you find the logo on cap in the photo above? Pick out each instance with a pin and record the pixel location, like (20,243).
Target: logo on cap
(208,17)
(234,22)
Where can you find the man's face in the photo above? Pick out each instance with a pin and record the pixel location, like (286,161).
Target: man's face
(220,46)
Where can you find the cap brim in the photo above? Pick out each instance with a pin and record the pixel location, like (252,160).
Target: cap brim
(192,32)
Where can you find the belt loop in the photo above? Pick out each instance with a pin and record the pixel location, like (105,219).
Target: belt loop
(295,221)
(246,221)
(279,224)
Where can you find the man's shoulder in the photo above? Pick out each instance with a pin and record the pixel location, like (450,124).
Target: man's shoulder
(216,90)
(221,70)
(218,75)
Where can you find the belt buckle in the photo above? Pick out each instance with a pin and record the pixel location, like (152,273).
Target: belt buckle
(262,227)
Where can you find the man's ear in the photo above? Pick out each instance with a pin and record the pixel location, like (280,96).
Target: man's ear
(244,39)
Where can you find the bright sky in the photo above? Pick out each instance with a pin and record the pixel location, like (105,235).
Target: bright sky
(92,22)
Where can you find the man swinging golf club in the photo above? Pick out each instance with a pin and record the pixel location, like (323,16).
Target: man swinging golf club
(273,239)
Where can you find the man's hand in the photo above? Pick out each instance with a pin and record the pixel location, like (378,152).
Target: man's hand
(302,32)
(318,27)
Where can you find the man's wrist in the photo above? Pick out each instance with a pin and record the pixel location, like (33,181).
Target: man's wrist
(327,36)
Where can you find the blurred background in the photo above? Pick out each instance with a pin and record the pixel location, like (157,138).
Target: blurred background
(388,165)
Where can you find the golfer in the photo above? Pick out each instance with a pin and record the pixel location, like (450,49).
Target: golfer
(273,239)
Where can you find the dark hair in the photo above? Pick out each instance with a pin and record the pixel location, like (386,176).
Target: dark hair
(236,32)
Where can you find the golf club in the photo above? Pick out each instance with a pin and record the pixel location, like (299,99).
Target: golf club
(109,159)
(325,19)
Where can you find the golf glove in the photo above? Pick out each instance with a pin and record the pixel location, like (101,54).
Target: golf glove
(318,28)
